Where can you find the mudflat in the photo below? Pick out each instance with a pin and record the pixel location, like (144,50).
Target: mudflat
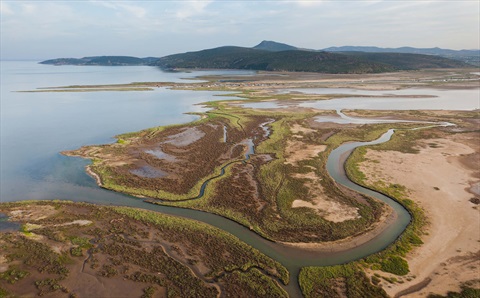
(266,170)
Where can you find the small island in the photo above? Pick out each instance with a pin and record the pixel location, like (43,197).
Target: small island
(266,169)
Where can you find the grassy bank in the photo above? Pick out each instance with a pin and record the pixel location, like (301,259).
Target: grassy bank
(324,280)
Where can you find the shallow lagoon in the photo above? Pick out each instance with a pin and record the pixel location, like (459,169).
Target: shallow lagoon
(406,99)
(35,127)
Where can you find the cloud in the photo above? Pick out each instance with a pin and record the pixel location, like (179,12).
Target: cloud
(34,22)
(137,11)
(5,8)
(308,3)
(29,8)
(123,7)
(164,27)
(190,9)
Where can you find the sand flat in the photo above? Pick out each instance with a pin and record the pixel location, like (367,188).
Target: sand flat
(297,151)
(439,183)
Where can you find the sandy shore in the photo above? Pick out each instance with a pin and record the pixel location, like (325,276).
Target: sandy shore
(94,175)
(440,180)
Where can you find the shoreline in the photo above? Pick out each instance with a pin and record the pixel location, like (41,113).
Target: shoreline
(349,243)
(94,175)
(342,245)
(306,131)
(271,82)
(449,252)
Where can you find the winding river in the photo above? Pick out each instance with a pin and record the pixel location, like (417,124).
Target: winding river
(36,126)
(294,258)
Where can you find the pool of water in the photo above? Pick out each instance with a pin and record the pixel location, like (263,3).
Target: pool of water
(406,99)
(35,127)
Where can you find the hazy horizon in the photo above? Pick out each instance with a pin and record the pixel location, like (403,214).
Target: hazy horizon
(37,30)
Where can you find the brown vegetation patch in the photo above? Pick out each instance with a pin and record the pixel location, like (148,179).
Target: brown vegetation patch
(239,192)
(168,160)
(172,160)
(157,167)
(116,256)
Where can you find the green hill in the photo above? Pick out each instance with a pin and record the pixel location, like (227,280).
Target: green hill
(101,60)
(274,56)
(471,57)
(408,61)
(248,58)
(274,46)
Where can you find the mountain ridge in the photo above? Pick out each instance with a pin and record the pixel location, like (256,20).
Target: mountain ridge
(275,56)
(101,60)
(274,46)
(471,56)
(412,50)
(231,57)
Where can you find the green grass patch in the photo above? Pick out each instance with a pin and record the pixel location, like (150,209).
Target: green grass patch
(5,293)
(252,283)
(395,265)
(24,229)
(81,242)
(13,275)
(327,282)
(466,292)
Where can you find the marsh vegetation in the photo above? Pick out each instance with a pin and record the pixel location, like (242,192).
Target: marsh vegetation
(69,244)
(282,191)
(265,170)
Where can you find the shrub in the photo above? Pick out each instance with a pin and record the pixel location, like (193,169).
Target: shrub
(76,251)
(395,265)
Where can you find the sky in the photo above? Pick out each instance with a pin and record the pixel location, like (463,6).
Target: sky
(156,28)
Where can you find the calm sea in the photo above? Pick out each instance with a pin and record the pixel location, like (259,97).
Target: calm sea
(35,127)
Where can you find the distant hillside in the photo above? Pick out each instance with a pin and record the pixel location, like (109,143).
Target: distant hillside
(275,56)
(274,46)
(411,50)
(102,60)
(248,58)
(468,56)
(296,60)
(406,61)
(471,57)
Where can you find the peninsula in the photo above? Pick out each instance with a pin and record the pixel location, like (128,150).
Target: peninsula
(273,56)
(264,158)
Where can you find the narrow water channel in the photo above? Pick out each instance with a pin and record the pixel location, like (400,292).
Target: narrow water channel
(294,258)
(250,149)
(30,152)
